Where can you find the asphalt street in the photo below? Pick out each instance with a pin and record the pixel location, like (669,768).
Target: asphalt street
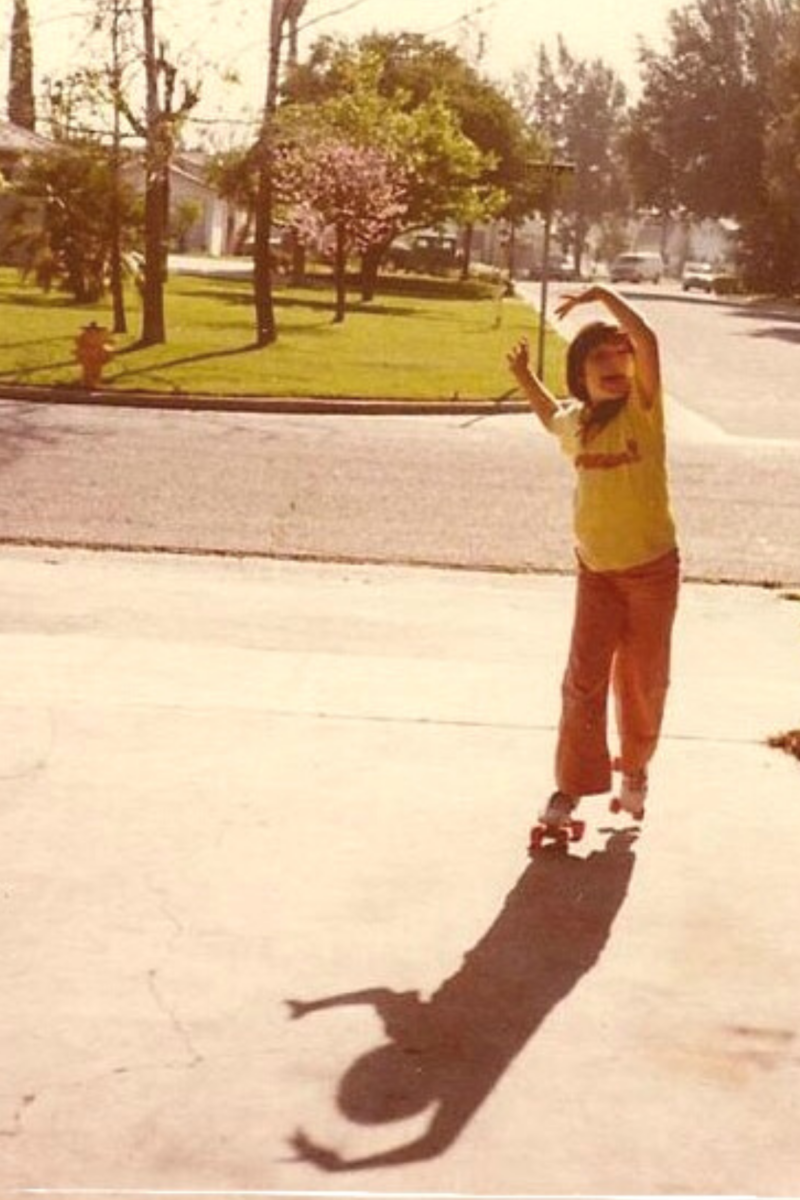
(484,491)
(478,492)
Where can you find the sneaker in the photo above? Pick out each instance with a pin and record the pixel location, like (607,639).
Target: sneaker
(633,793)
(559,809)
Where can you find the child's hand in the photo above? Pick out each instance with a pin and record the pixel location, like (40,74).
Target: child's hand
(572,300)
(519,358)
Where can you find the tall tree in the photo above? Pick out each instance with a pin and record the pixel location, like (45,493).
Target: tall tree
(770,237)
(284,15)
(443,169)
(21,103)
(698,140)
(472,153)
(164,115)
(579,106)
(87,105)
(697,134)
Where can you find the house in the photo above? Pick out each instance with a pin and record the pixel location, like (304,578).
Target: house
(16,144)
(202,221)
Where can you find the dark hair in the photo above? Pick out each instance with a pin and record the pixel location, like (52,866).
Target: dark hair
(581,346)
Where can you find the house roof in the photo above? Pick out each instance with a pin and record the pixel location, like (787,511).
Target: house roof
(16,140)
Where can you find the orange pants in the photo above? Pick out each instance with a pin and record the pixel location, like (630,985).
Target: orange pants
(621,639)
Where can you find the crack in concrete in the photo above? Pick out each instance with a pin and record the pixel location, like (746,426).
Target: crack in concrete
(193,1055)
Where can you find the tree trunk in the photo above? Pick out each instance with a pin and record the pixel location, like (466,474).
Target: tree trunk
(298,261)
(340,276)
(266,330)
(115,264)
(266,326)
(371,261)
(153,323)
(466,252)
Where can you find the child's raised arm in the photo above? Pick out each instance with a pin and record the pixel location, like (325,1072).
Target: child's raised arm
(540,398)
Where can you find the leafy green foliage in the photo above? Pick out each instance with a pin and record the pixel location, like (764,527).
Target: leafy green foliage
(464,142)
(579,105)
(717,132)
(62,225)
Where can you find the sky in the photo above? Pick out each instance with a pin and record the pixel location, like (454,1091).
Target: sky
(230,35)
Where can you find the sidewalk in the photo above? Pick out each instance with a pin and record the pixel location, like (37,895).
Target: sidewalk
(227,785)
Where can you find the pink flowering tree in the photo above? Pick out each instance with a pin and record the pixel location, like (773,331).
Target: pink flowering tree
(354,194)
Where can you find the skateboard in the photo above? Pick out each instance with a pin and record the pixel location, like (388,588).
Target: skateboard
(560,834)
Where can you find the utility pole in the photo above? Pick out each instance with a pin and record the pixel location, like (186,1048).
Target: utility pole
(117,290)
(553,171)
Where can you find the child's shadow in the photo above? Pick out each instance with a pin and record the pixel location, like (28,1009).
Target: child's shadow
(451,1050)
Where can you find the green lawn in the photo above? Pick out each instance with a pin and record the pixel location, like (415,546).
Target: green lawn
(420,342)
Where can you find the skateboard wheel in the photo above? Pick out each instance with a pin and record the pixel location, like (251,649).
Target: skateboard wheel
(537,835)
(615,806)
(577,830)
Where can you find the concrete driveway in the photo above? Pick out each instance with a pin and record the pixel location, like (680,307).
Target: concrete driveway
(270,928)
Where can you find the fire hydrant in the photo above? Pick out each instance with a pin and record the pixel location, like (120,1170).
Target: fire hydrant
(93,350)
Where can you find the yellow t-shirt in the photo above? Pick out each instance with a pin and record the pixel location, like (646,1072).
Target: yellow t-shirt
(622,514)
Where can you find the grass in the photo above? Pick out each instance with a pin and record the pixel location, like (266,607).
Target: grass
(418,341)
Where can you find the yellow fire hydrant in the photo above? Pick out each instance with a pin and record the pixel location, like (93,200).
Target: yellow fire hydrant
(93,349)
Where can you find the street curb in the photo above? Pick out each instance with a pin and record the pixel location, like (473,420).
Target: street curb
(301,405)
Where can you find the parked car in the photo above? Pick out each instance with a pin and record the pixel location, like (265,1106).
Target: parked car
(698,275)
(637,266)
(427,252)
(559,266)
(707,278)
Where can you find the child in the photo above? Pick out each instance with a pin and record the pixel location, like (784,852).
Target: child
(628,565)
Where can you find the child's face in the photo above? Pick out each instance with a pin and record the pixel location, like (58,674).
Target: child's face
(608,370)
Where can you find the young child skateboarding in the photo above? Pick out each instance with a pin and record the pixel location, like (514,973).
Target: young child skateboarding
(612,429)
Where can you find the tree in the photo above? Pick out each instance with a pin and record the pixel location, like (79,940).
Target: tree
(699,137)
(770,237)
(697,134)
(87,104)
(163,119)
(284,14)
(579,107)
(62,225)
(420,68)
(457,136)
(234,175)
(21,104)
(357,192)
